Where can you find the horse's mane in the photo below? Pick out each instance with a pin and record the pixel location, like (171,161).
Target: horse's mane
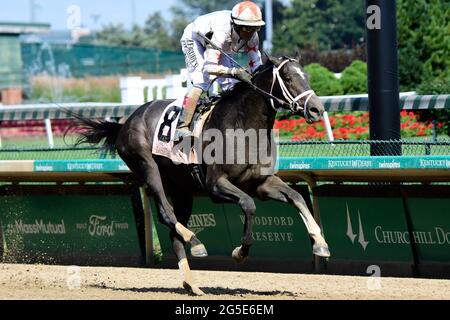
(240,86)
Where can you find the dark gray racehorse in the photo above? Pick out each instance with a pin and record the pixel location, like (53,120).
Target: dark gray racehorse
(241,108)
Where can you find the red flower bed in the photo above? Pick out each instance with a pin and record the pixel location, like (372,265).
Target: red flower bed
(26,128)
(348,126)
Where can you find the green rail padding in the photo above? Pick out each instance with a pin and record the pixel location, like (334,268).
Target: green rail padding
(284,163)
(94,224)
(430,219)
(365,228)
(365,163)
(278,230)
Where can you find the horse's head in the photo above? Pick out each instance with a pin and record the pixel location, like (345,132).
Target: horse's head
(290,84)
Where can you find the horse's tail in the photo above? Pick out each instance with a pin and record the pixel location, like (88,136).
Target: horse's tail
(94,131)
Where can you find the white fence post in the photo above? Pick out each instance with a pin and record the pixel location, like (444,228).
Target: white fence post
(150,85)
(131,90)
(48,129)
(326,120)
(175,87)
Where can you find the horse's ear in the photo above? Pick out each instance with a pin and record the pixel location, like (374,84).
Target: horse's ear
(298,56)
(267,57)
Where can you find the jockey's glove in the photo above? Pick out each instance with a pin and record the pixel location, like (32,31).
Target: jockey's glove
(241,74)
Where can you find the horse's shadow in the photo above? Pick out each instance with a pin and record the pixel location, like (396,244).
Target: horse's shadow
(217,291)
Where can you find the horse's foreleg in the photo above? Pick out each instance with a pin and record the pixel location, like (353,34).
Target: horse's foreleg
(182,205)
(183,265)
(276,189)
(224,189)
(148,168)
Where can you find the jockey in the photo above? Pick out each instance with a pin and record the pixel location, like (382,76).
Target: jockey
(232,31)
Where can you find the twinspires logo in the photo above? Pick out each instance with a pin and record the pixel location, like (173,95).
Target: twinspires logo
(38,227)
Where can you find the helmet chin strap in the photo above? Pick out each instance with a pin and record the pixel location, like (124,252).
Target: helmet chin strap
(287,95)
(234,28)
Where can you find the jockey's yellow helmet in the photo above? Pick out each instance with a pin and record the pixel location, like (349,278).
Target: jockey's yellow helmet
(247,13)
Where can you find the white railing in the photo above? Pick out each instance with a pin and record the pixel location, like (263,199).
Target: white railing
(135,90)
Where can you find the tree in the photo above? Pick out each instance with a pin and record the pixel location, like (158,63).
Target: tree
(423,41)
(113,34)
(157,33)
(321,24)
(179,21)
(423,49)
(137,37)
(290,33)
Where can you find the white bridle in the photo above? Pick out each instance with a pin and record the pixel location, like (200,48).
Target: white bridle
(293,101)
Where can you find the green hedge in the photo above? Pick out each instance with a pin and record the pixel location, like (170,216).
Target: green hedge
(354,78)
(323,81)
(436,86)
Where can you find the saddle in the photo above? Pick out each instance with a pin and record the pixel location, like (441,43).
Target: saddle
(163,143)
(204,105)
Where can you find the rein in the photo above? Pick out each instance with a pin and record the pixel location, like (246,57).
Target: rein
(287,95)
(284,104)
(292,104)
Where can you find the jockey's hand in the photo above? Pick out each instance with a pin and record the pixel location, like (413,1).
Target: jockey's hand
(241,74)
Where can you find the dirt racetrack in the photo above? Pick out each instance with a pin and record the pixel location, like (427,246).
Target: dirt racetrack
(53,282)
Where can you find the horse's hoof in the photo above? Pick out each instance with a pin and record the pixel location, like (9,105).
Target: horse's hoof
(192,289)
(199,251)
(237,256)
(321,251)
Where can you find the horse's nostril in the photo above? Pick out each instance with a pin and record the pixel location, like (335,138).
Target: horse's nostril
(314,111)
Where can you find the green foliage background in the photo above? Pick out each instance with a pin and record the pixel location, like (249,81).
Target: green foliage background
(324,29)
(424,42)
(354,78)
(323,81)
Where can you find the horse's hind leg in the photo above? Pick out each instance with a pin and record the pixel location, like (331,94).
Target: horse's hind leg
(276,189)
(145,168)
(224,189)
(183,208)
